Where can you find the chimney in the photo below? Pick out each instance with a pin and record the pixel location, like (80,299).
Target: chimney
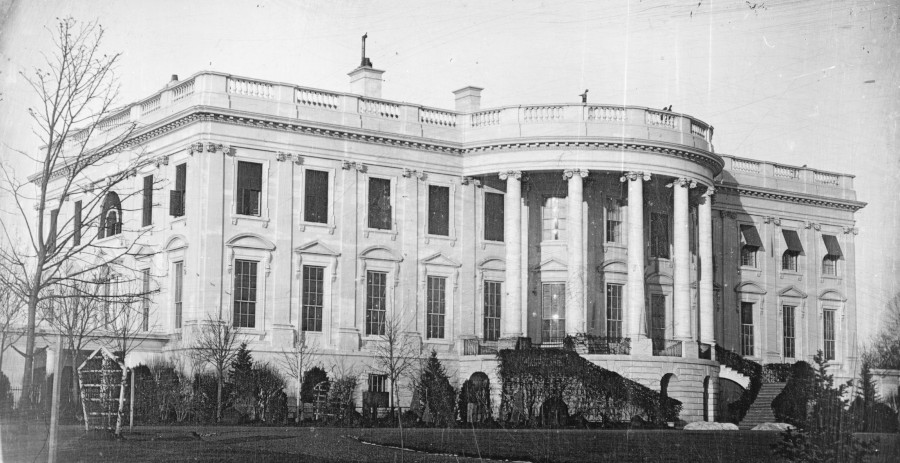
(468,99)
(173,81)
(365,80)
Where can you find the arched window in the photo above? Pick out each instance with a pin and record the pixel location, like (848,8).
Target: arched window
(789,261)
(110,216)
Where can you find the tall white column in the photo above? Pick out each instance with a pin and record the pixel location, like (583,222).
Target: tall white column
(682,260)
(707,305)
(511,312)
(575,309)
(637,327)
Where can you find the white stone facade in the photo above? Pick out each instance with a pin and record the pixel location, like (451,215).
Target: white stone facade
(616,206)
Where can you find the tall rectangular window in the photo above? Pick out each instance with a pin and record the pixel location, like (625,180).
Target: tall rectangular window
(315,200)
(437,306)
(76,222)
(613,310)
(249,188)
(51,237)
(829,265)
(178,270)
(613,220)
(380,213)
(377,383)
(147,209)
(312,297)
(376,302)
(438,210)
(176,196)
(553,219)
(828,334)
(245,293)
(553,312)
(145,300)
(492,301)
(747,328)
(788,325)
(658,320)
(494,208)
(659,235)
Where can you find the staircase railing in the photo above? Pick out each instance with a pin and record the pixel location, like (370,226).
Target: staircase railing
(738,409)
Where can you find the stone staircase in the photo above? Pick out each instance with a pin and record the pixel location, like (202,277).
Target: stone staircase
(761,410)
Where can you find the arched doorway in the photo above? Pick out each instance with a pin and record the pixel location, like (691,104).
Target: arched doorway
(477,398)
(664,384)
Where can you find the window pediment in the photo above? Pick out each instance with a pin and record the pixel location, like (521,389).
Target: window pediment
(550,265)
(250,241)
(792,291)
(750,288)
(660,279)
(440,259)
(317,248)
(492,263)
(831,295)
(613,266)
(379,253)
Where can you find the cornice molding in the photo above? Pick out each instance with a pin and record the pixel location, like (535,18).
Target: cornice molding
(847,205)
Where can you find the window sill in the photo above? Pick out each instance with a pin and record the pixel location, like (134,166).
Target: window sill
(392,233)
(791,274)
(831,277)
(251,218)
(451,239)
(303,225)
(110,239)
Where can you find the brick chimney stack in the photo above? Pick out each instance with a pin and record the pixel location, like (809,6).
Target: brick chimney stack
(468,99)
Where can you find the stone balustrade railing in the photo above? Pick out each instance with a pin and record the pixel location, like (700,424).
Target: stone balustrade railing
(792,178)
(284,100)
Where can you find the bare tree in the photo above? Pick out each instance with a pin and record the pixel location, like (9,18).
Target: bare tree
(215,344)
(884,349)
(88,154)
(395,354)
(126,313)
(11,315)
(296,361)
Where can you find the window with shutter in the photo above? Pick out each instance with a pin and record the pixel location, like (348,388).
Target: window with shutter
(176,196)
(315,199)
(659,235)
(76,220)
(249,188)
(438,210)
(147,217)
(493,216)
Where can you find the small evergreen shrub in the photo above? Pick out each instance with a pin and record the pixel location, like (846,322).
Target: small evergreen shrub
(311,378)
(436,396)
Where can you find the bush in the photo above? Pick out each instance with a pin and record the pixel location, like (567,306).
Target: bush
(437,397)
(311,378)
(790,405)
(776,372)
(6,397)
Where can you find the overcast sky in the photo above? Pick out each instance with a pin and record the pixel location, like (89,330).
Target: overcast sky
(798,82)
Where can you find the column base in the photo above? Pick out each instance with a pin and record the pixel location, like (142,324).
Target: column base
(514,343)
(641,347)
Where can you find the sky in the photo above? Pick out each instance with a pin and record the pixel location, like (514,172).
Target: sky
(798,82)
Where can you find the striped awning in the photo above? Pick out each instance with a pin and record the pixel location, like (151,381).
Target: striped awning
(831,244)
(793,241)
(751,236)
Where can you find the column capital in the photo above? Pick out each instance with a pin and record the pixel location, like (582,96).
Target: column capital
(634,175)
(569,173)
(710,190)
(517,174)
(683,182)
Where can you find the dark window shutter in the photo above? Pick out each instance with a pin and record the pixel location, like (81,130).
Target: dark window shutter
(148,201)
(316,197)
(181,177)
(51,238)
(438,210)
(76,220)
(493,216)
(176,203)
(249,187)
(380,203)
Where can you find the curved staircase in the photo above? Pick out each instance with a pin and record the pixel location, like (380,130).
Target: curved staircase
(761,409)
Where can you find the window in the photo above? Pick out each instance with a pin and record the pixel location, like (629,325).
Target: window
(553,309)
(788,323)
(245,293)
(437,306)
(493,216)
(376,302)
(145,300)
(748,255)
(178,270)
(380,213)
(746,328)
(110,216)
(492,301)
(659,235)
(176,196)
(249,188)
(613,220)
(832,254)
(312,298)
(553,216)
(315,201)
(438,210)
(51,237)
(658,319)
(147,216)
(377,383)
(614,310)
(828,335)
(829,265)
(76,220)
(789,261)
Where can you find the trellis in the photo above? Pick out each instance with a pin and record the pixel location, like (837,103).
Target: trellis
(102,377)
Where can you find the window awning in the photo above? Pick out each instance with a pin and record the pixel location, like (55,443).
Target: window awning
(793,241)
(831,244)
(751,236)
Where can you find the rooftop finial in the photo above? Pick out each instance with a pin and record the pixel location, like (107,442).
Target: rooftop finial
(365,62)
